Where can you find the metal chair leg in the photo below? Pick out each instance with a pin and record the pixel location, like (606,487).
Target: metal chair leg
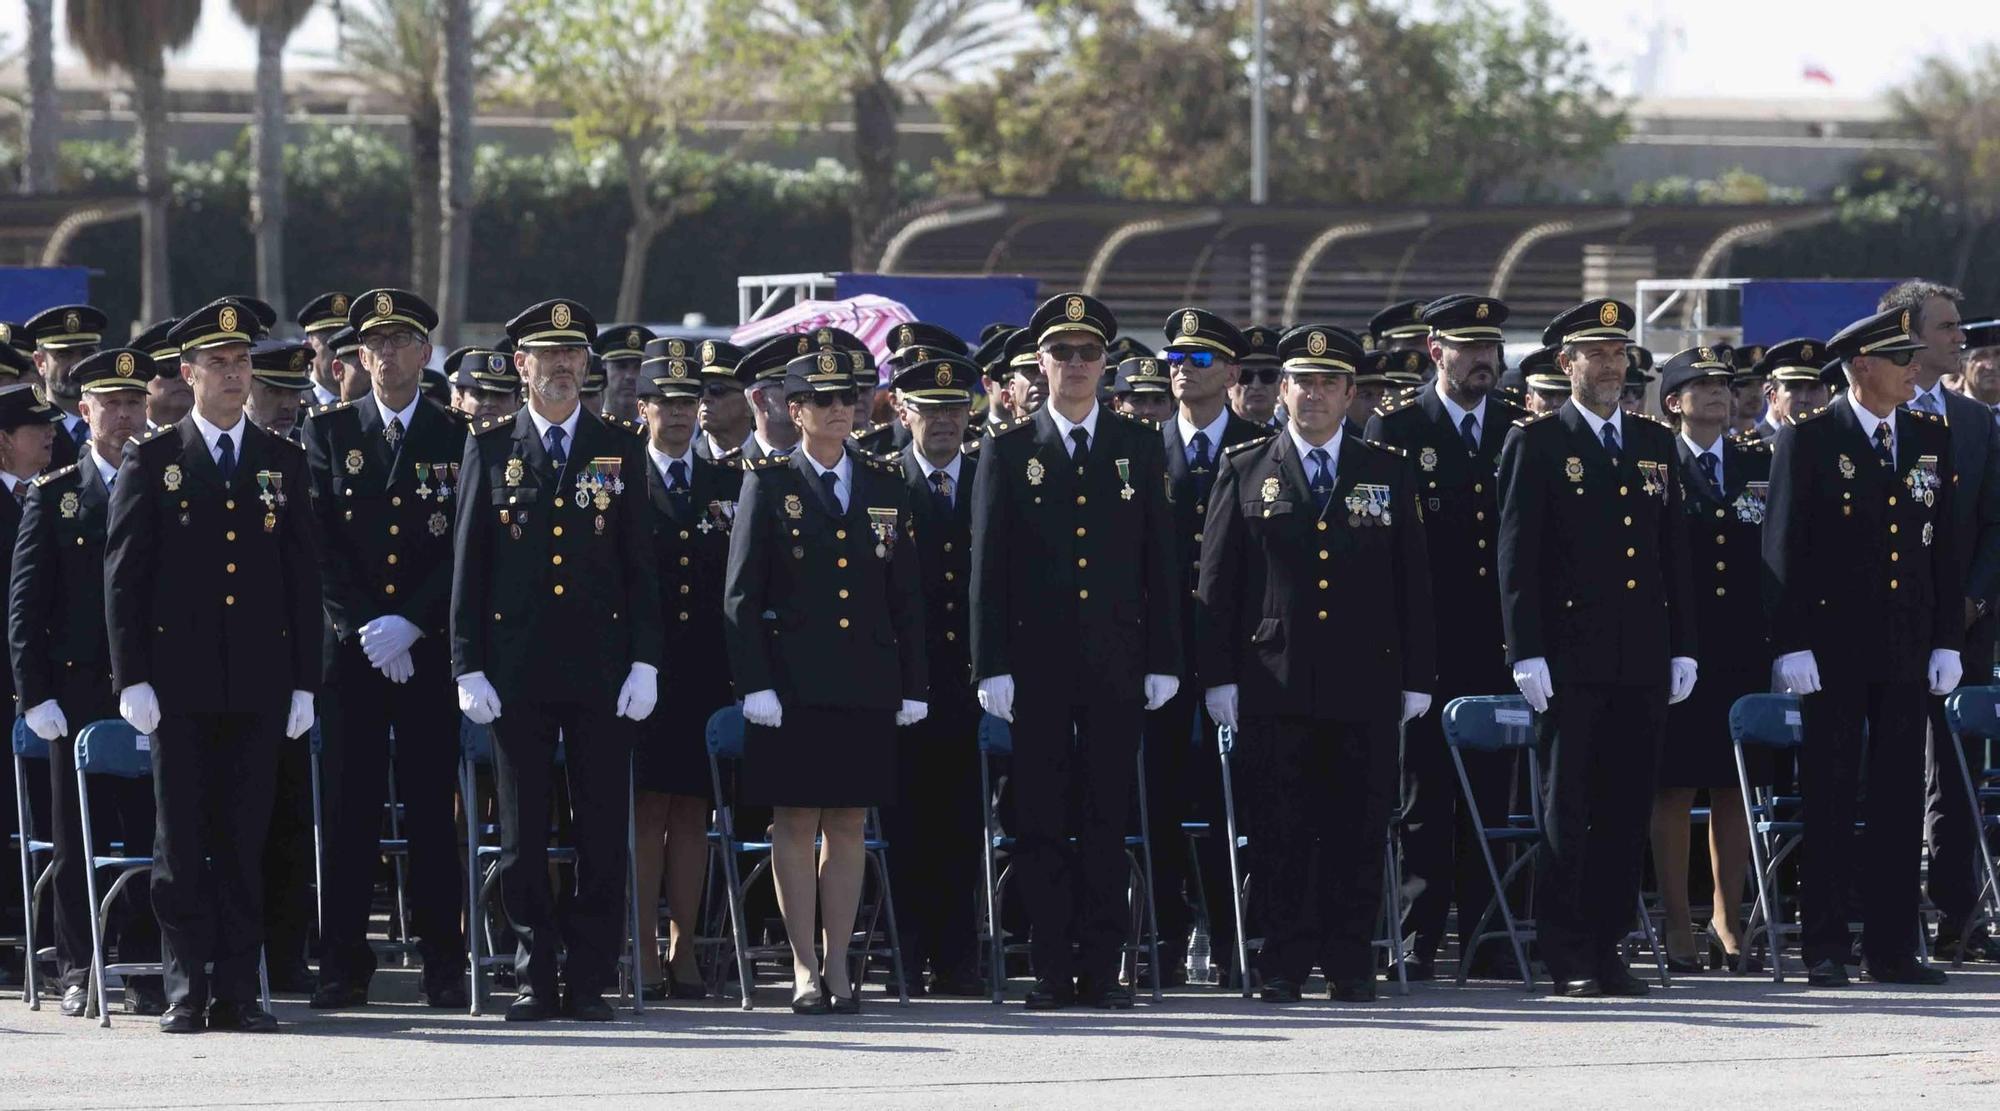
(632,872)
(1225,738)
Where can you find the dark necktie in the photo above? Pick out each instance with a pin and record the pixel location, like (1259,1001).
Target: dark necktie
(941,491)
(1708,464)
(21,493)
(1883,447)
(394,433)
(1201,467)
(557,454)
(1468,430)
(1322,479)
(1080,456)
(831,483)
(226,460)
(677,487)
(1611,441)
(82,432)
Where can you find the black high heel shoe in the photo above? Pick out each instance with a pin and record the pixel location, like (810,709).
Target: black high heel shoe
(1679,967)
(813,1002)
(1721,958)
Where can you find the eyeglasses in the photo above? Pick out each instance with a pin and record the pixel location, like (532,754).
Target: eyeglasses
(1201,359)
(1081,352)
(834,397)
(391,341)
(1266,375)
(1900,358)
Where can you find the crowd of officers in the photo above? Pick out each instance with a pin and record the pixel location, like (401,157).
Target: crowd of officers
(595,537)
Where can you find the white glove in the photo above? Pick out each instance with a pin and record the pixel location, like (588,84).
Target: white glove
(1415,705)
(1160,690)
(1945,671)
(477,698)
(1797,673)
(761,708)
(1531,676)
(399,669)
(138,705)
(387,637)
(912,712)
(640,693)
(47,720)
(301,717)
(996,696)
(1221,703)
(1680,681)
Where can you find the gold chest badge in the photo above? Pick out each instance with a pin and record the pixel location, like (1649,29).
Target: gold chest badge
(794,508)
(1846,467)
(354,461)
(70,502)
(1428,459)
(516,471)
(1036,472)
(1573,468)
(171,478)
(1271,488)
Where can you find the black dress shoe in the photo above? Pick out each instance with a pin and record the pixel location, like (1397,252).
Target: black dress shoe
(333,995)
(1679,967)
(683,989)
(1351,991)
(183,1018)
(446,995)
(587,1007)
(144,999)
(813,1002)
(296,980)
(1979,947)
(530,1007)
(844,1005)
(1906,972)
(1116,997)
(1579,989)
(75,1000)
(1050,995)
(241,1018)
(1618,980)
(1279,990)
(1827,974)
(1417,969)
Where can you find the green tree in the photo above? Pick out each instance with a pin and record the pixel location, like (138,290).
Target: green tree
(274,21)
(133,38)
(1957,107)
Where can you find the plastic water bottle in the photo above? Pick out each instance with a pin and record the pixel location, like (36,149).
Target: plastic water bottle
(1200,970)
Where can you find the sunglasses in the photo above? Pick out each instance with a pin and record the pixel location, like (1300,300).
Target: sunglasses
(835,397)
(1082,352)
(1900,358)
(721,390)
(1201,359)
(1266,375)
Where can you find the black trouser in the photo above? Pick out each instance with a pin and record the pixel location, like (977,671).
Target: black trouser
(362,708)
(1603,766)
(597,748)
(213,782)
(1086,753)
(1440,842)
(121,810)
(1320,794)
(935,859)
(1183,784)
(1858,731)
(1956,870)
(289,911)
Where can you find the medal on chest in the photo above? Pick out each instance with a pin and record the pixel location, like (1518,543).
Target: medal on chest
(1923,480)
(882,522)
(601,478)
(1368,505)
(1125,476)
(1749,504)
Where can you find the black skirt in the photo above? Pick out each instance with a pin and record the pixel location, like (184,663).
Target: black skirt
(821,757)
(673,750)
(1698,751)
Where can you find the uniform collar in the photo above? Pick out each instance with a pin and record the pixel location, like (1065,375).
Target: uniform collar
(106,471)
(408,412)
(1064,426)
(210,433)
(1457,414)
(543,424)
(950,469)
(1331,447)
(662,460)
(1214,429)
(843,470)
(1596,423)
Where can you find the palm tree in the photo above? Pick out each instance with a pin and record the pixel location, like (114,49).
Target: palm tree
(39,123)
(456,183)
(133,38)
(274,21)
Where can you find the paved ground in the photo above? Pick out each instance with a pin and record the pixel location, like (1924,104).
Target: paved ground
(1710,1042)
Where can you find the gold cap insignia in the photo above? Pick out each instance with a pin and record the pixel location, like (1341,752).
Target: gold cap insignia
(384,304)
(826,337)
(1806,351)
(299,361)
(858,357)
(496,362)
(72,322)
(805,345)
(1906,320)
(226,319)
(1149,366)
(1315,343)
(905,337)
(339,303)
(677,368)
(1073,308)
(632,340)
(1707,355)
(1190,323)
(676,348)
(126,365)
(944,376)
(1607,314)
(1410,361)
(559,316)
(707,351)
(828,362)
(1482,312)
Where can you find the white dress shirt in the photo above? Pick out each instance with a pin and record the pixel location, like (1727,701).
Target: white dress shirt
(212,436)
(1868,423)
(1331,447)
(1214,431)
(661,461)
(950,471)
(1457,414)
(1715,450)
(843,474)
(1597,423)
(1064,425)
(406,414)
(543,424)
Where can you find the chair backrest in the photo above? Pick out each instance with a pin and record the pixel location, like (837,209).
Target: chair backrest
(1489,723)
(1975,711)
(475,741)
(1767,720)
(29,744)
(725,733)
(996,737)
(113,747)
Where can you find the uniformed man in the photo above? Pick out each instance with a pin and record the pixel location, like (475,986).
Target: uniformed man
(1027,385)
(1747,387)
(1547,385)
(622,346)
(764,371)
(553,555)
(1594,596)
(1407,370)
(279,384)
(1638,376)
(1399,327)
(1182,782)
(991,358)
(1254,396)
(1790,372)
(1861,534)
(1453,431)
(1980,368)
(26,431)
(1317,700)
(483,383)
(1143,391)
(1072,569)
(724,413)
(910,344)
(934,830)
(346,345)
(65,336)
(16,366)
(212,586)
(168,397)
(384,472)
(321,318)
(62,669)
(1371,385)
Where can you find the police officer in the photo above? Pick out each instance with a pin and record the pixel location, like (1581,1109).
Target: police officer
(1547,386)
(933,826)
(168,396)
(724,414)
(62,669)
(64,336)
(763,369)
(991,358)
(1746,387)
(1638,376)
(16,366)
(320,319)
(692,504)
(1399,327)
(279,384)
(1861,542)
(1790,372)
(1318,699)
(212,589)
(910,344)
(1027,384)
(384,475)
(1594,596)
(1452,431)
(1072,573)
(1371,385)
(621,347)
(483,383)
(555,634)
(1254,395)
(346,348)
(1143,391)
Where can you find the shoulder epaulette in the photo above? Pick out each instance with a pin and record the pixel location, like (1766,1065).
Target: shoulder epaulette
(459,415)
(491,423)
(1401,403)
(1754,445)
(1533,418)
(1380,446)
(1010,426)
(970,447)
(766,462)
(1248,445)
(154,434)
(1801,418)
(864,430)
(43,480)
(732,457)
(887,464)
(1932,417)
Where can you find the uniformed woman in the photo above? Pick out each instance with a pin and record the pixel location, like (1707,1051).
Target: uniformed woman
(1726,482)
(823,612)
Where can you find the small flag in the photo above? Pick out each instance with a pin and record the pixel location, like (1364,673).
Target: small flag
(1817,73)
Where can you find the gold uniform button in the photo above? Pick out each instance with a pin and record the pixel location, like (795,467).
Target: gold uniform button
(684,615)
(1631,584)
(684,534)
(947,545)
(391,589)
(231,503)
(1482,542)
(840,534)
(393,531)
(1322,615)
(229,567)
(1080,530)
(1893,530)
(1719,592)
(1481,515)
(1482,572)
(950,606)
(1197,538)
(229,599)
(1080,563)
(1892,584)
(841,562)
(392,561)
(1322,584)
(684,561)
(555,560)
(557,530)
(1477,488)
(1200,507)
(949,635)
(1892,499)
(1322,526)
(1083,595)
(948,576)
(1722,539)
(1628,520)
(496,617)
(397,500)
(843,622)
(1623,490)
(230,535)
(684,590)
(843,591)
(1080,499)
(1894,556)
(559,590)
(1630,552)
(1721,566)
(1718,514)
(1323,554)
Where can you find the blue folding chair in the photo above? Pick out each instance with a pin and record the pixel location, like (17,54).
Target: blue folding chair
(113,747)
(996,739)
(1774,722)
(724,734)
(28,745)
(1975,712)
(1498,723)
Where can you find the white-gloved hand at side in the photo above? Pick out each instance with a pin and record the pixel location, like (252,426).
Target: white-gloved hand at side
(477,698)
(386,637)
(1221,703)
(140,707)
(301,717)
(1945,671)
(1796,673)
(1681,673)
(996,696)
(762,708)
(912,712)
(47,720)
(1415,705)
(640,693)
(1531,677)
(1160,690)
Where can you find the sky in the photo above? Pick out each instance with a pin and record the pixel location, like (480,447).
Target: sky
(1736,48)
